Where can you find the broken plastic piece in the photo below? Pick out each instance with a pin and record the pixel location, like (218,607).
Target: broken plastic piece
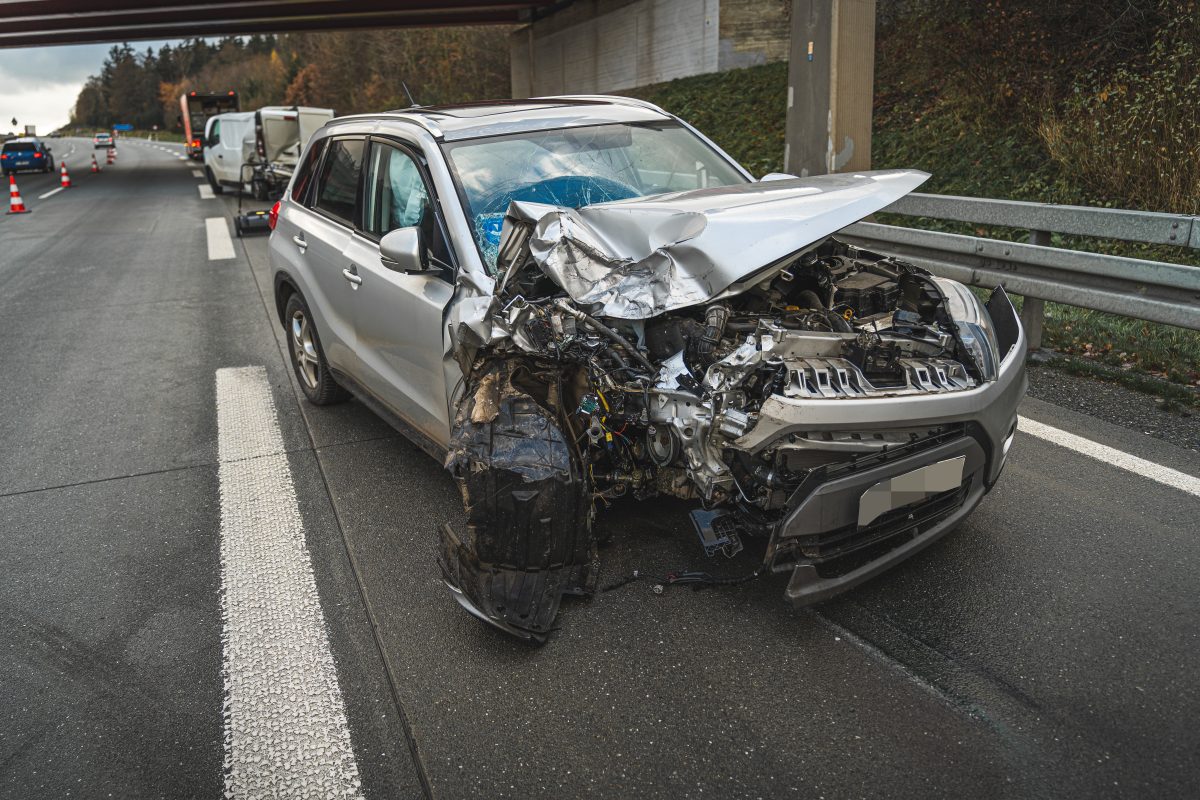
(717,531)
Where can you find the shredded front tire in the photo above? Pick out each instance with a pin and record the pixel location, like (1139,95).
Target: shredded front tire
(528,537)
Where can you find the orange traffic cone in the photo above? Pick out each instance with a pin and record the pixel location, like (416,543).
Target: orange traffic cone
(66,179)
(95,166)
(15,204)
(109,158)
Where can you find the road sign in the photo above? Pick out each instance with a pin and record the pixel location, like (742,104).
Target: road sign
(122,126)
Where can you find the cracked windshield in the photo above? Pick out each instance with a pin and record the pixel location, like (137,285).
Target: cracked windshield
(579,167)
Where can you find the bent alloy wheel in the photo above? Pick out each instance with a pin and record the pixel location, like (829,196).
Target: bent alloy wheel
(308,360)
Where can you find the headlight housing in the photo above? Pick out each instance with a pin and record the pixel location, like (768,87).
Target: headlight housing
(975,330)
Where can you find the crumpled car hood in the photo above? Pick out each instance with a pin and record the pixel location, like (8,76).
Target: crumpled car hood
(638,258)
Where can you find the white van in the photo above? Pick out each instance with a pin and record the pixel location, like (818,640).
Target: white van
(257,151)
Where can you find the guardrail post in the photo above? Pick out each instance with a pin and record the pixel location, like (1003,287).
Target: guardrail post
(1033,309)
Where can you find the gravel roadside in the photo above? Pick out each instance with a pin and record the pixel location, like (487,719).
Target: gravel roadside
(1115,404)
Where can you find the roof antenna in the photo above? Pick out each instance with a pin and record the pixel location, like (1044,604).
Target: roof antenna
(411,102)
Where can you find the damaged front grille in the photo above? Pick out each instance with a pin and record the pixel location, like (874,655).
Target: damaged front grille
(839,377)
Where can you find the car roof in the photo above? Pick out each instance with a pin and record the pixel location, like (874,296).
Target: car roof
(497,117)
(23,140)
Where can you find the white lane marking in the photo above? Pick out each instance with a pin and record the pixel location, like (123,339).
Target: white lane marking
(1111,455)
(286,733)
(197,173)
(52,191)
(206,192)
(219,244)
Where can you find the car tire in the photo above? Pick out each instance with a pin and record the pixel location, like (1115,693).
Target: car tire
(528,537)
(308,359)
(212,181)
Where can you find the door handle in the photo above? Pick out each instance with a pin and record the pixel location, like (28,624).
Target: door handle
(352,275)
(299,240)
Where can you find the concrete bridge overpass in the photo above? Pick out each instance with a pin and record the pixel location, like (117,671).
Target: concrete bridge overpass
(30,23)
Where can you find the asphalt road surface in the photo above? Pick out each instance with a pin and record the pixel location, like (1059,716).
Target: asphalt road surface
(186,549)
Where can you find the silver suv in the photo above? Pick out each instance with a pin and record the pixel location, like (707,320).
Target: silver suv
(571,299)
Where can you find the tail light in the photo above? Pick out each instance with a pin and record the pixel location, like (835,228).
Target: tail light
(37,155)
(3,156)
(195,142)
(273,215)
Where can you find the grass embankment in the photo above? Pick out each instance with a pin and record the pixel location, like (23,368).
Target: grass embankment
(744,112)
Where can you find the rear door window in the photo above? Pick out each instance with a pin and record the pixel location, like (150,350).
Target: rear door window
(304,175)
(337,184)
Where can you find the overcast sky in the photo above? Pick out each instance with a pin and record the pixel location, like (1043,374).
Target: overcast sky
(38,85)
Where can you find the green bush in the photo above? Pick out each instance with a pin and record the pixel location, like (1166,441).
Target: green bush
(1133,134)
(743,110)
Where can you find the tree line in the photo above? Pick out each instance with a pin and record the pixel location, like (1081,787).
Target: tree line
(350,72)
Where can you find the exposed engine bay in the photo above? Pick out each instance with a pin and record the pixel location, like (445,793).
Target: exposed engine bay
(661,405)
(578,408)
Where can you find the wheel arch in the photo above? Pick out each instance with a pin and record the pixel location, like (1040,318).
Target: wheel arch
(285,287)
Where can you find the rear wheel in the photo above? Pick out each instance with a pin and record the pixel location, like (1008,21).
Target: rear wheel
(308,359)
(212,181)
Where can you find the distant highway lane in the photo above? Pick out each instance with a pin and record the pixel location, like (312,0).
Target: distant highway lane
(207,585)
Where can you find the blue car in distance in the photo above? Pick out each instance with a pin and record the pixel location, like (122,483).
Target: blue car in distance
(25,154)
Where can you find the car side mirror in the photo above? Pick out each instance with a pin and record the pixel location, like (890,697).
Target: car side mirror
(400,250)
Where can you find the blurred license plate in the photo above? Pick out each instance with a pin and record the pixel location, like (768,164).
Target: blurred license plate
(911,487)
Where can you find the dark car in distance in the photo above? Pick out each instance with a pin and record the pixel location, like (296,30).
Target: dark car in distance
(25,154)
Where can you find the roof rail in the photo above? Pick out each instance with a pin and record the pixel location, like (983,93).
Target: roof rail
(401,115)
(615,99)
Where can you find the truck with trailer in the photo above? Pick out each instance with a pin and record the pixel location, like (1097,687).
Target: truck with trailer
(196,109)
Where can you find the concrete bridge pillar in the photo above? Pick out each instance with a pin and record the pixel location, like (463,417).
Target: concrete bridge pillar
(831,79)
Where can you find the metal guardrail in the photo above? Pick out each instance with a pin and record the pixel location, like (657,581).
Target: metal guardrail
(1151,290)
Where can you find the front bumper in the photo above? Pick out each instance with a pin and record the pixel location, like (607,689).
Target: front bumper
(820,538)
(827,549)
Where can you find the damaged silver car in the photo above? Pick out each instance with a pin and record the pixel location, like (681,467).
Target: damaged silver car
(568,300)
